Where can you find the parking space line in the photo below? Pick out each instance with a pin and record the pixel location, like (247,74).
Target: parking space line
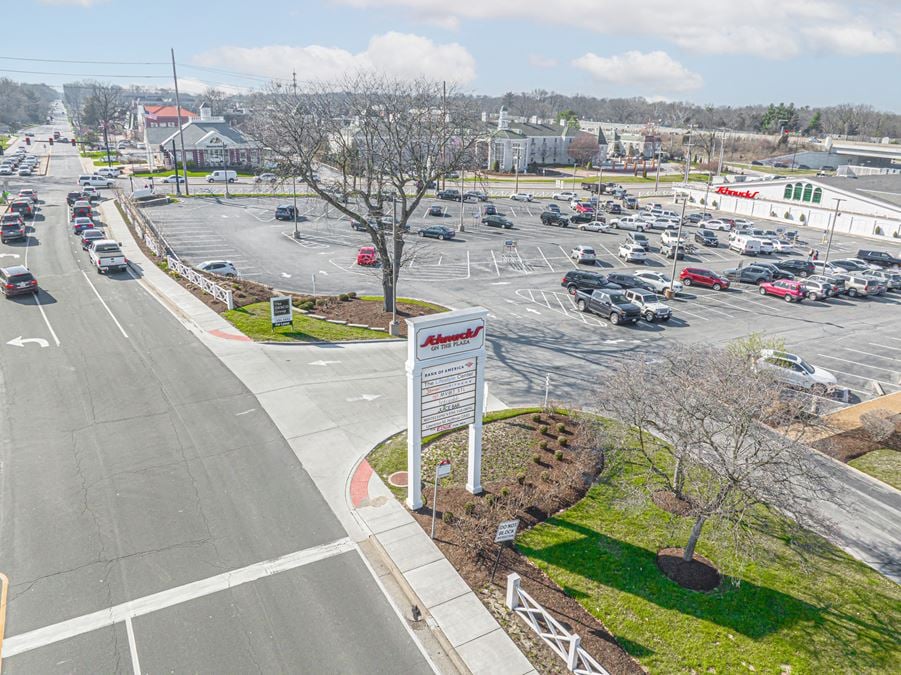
(863,377)
(858,363)
(513,211)
(563,251)
(546,261)
(494,260)
(878,356)
(875,344)
(607,249)
(132,646)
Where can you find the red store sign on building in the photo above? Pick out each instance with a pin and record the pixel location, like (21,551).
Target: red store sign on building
(745,194)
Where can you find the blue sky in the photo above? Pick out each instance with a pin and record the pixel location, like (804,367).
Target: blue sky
(815,52)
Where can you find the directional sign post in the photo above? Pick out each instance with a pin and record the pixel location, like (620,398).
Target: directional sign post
(280,309)
(445,388)
(442,469)
(506,533)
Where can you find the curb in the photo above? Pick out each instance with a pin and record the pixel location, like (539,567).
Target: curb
(4,588)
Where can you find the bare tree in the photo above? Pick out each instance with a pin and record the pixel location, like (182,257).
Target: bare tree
(379,144)
(215,99)
(878,424)
(102,108)
(720,435)
(583,148)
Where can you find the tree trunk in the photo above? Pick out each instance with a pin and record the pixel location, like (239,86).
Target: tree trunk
(678,480)
(689,552)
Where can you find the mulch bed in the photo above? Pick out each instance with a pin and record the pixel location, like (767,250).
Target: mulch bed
(851,444)
(669,502)
(697,574)
(366,312)
(544,481)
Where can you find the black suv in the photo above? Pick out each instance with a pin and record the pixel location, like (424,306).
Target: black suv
(707,238)
(73,197)
(449,194)
(801,268)
(881,258)
(776,270)
(577,280)
(497,221)
(577,218)
(752,274)
(17,281)
(628,281)
(284,212)
(551,218)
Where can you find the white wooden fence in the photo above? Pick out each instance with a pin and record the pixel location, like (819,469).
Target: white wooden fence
(204,284)
(565,644)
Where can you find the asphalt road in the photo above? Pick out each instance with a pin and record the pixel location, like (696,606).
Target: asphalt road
(133,463)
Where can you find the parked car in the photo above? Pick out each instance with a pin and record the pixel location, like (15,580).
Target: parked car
(553,207)
(449,194)
(24,207)
(707,237)
(584,254)
(793,370)
(221,176)
(284,212)
(79,225)
(476,195)
(106,256)
(775,270)
(82,209)
(630,202)
(829,268)
(579,280)
(691,276)
(521,197)
(96,181)
(881,258)
(801,268)
(595,226)
(553,218)
(629,223)
(671,251)
(497,221)
(435,210)
(888,278)
(265,178)
(765,245)
(742,222)
(173,178)
(788,290)
(565,196)
(613,208)
(752,274)
(89,235)
(818,290)
(859,285)
(697,217)
(835,285)
(624,280)
(611,305)
(717,224)
(28,194)
(658,281)
(651,307)
(744,244)
(781,245)
(853,265)
(632,253)
(437,232)
(582,207)
(223,268)
(669,238)
(17,280)
(110,172)
(367,256)
(12,230)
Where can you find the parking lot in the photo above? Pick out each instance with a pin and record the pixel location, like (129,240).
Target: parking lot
(516,274)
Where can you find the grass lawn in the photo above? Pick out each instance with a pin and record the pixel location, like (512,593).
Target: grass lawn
(805,605)
(255,322)
(883,464)
(406,301)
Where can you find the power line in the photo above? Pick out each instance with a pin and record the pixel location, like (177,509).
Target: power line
(44,72)
(232,73)
(106,63)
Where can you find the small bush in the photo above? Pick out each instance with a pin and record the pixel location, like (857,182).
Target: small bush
(878,230)
(536,417)
(521,478)
(802,218)
(343,297)
(489,499)
(878,424)
(351,294)
(448,517)
(543,445)
(558,455)
(897,234)
(787,215)
(560,427)
(505,491)
(562,441)
(542,429)
(469,508)
(536,459)
(545,476)
(307,305)
(715,204)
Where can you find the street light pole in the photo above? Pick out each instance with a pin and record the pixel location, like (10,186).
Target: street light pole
(225,160)
(657,178)
(837,200)
(719,168)
(678,239)
(294,191)
(393,329)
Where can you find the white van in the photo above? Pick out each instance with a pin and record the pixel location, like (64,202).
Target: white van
(220,176)
(745,245)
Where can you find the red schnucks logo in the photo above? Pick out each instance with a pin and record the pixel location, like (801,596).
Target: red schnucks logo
(439,339)
(747,194)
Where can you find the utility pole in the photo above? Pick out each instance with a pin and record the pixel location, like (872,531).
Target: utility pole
(688,153)
(175,166)
(719,169)
(837,200)
(294,81)
(294,190)
(657,179)
(181,133)
(678,241)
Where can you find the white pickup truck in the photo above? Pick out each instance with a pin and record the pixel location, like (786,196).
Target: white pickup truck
(106,256)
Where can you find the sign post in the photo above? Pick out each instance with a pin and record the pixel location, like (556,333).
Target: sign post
(445,388)
(442,469)
(506,532)
(280,311)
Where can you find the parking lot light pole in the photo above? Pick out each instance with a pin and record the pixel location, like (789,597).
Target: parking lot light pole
(657,179)
(294,192)
(225,159)
(837,200)
(672,280)
(394,328)
(462,200)
(707,193)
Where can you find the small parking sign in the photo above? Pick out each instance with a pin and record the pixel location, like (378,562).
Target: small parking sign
(506,531)
(280,309)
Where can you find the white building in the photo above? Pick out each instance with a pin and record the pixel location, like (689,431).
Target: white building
(869,205)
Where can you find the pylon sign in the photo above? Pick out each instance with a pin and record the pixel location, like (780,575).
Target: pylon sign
(445,388)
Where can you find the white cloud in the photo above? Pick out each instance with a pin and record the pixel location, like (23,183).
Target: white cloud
(393,54)
(637,70)
(759,27)
(539,61)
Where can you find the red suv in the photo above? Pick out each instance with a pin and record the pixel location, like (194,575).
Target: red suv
(702,277)
(790,291)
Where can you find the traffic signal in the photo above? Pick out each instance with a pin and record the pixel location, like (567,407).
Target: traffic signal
(51,140)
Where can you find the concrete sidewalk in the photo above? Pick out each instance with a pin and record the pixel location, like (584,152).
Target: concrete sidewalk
(333,403)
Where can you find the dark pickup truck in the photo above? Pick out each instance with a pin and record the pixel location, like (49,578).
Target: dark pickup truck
(612,305)
(593,187)
(881,258)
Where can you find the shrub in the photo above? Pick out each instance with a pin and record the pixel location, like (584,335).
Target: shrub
(306,305)
(496,166)
(877,230)
(787,215)
(715,204)
(351,294)
(545,476)
(802,218)
(897,234)
(543,445)
(521,478)
(562,441)
(343,297)
(542,429)
(505,491)
(469,508)
(536,459)
(536,417)
(448,517)
(558,455)
(489,499)
(560,427)
(878,424)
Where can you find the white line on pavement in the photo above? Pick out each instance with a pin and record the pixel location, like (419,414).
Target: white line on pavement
(878,356)
(862,377)
(41,637)
(876,344)
(37,299)
(132,646)
(858,363)
(105,306)
(494,260)
(563,250)
(546,261)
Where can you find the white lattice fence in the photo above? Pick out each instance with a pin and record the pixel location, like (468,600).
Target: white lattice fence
(568,646)
(204,284)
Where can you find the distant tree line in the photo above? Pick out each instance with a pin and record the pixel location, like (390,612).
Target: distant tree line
(845,119)
(22,104)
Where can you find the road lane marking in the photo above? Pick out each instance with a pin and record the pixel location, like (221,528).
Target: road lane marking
(862,377)
(105,306)
(132,646)
(494,260)
(37,300)
(546,261)
(865,365)
(563,251)
(245,412)
(41,637)
(876,344)
(878,356)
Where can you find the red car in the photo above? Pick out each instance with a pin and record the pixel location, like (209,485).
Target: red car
(367,256)
(702,277)
(584,208)
(790,291)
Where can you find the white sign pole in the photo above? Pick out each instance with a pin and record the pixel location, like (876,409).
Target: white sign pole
(474,465)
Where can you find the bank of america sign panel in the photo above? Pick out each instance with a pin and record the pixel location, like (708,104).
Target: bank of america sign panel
(448,396)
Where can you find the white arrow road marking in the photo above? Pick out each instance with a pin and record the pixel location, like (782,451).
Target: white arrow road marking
(364,397)
(322,363)
(285,275)
(21,342)
(9,255)
(534,311)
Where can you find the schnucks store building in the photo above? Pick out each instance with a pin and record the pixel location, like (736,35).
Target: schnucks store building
(868,205)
